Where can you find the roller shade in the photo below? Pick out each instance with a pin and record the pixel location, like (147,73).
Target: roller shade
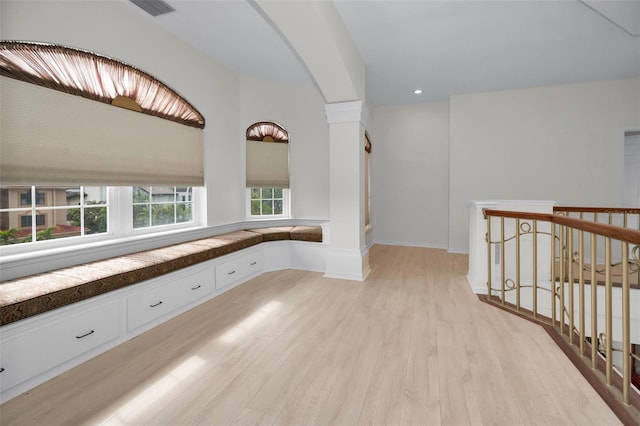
(54,138)
(267,165)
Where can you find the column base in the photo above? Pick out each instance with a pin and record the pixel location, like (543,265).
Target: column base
(346,264)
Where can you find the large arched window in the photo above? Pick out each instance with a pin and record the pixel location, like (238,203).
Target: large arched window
(55,133)
(267,160)
(80,129)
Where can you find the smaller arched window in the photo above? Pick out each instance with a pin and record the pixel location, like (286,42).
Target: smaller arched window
(267,169)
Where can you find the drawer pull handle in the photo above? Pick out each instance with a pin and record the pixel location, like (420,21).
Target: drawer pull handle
(254,263)
(86,334)
(196,287)
(157,304)
(1,369)
(231,273)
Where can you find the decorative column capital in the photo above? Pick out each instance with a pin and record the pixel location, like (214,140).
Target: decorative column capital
(347,112)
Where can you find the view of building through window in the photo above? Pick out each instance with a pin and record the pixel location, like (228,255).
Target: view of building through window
(29,213)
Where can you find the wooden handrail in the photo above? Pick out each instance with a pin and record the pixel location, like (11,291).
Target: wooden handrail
(619,210)
(612,231)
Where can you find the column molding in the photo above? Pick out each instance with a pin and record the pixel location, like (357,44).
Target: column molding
(347,112)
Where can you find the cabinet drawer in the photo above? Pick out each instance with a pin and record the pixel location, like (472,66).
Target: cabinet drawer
(160,300)
(40,348)
(236,269)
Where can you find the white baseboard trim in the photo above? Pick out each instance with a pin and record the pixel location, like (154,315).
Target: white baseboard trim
(411,244)
(475,288)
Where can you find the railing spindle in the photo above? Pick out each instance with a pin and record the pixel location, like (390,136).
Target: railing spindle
(608,311)
(562,277)
(535,268)
(570,283)
(594,305)
(489,257)
(626,325)
(503,278)
(583,334)
(518,265)
(553,274)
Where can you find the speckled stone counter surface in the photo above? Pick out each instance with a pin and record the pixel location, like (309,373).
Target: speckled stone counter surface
(28,296)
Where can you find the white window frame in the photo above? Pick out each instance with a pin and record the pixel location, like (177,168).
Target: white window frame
(119,226)
(286,202)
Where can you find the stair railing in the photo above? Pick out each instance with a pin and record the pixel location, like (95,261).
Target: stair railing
(580,276)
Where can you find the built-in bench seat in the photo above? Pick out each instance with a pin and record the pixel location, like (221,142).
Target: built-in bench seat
(25,297)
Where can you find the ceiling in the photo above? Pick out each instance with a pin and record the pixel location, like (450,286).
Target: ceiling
(444,47)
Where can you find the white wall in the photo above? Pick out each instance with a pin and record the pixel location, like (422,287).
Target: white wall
(411,174)
(300,110)
(554,143)
(124,32)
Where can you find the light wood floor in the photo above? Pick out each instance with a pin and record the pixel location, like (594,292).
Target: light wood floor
(411,345)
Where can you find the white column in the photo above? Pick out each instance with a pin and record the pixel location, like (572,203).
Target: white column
(348,257)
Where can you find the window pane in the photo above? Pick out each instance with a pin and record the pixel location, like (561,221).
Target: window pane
(10,196)
(184,213)
(141,194)
(184,194)
(141,216)
(95,220)
(162,214)
(10,230)
(255,207)
(277,207)
(95,195)
(267,192)
(71,196)
(162,194)
(255,193)
(267,207)
(277,193)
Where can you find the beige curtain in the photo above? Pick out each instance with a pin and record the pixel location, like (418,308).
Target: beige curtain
(50,137)
(267,164)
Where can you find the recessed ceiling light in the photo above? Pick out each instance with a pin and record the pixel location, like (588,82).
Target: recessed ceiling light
(417,91)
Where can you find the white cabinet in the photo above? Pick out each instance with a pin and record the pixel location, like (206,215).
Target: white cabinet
(37,349)
(161,297)
(236,269)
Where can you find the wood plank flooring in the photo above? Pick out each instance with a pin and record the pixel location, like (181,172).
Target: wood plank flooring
(409,346)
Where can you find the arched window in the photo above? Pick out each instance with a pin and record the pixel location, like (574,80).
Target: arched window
(367,181)
(50,90)
(267,161)
(80,129)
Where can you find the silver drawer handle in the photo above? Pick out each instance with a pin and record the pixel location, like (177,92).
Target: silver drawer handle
(231,273)
(86,334)
(196,287)
(157,304)
(254,263)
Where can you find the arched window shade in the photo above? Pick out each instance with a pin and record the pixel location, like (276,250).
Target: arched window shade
(267,131)
(267,162)
(95,77)
(53,132)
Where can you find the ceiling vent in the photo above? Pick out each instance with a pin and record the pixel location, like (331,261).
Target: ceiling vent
(153,7)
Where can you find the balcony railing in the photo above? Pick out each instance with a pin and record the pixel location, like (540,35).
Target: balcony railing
(577,271)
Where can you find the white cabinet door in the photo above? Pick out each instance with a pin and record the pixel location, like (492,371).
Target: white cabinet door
(162,299)
(234,270)
(51,342)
